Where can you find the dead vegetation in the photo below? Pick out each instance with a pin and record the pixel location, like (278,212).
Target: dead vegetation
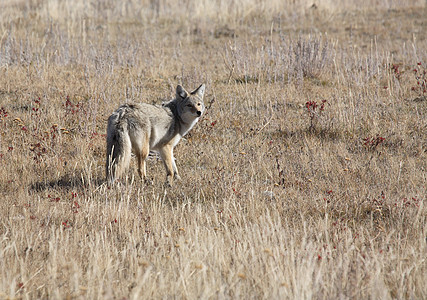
(306,178)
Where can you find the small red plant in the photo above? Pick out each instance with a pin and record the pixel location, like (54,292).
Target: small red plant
(371,143)
(75,206)
(72,108)
(53,198)
(20,286)
(36,106)
(420,74)
(379,203)
(38,151)
(329,194)
(314,111)
(3,113)
(396,72)
(405,203)
(66,224)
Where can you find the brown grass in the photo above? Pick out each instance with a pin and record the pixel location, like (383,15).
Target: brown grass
(276,200)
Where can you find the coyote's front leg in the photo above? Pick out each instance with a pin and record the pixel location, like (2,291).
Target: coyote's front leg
(167,156)
(175,169)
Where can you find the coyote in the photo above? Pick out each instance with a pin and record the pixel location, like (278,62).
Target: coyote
(143,127)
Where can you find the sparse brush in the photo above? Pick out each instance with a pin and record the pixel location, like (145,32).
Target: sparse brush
(420,75)
(314,112)
(284,60)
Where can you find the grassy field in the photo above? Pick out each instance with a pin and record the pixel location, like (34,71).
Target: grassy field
(305,179)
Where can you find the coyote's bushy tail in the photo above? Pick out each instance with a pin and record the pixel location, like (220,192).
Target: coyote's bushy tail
(118,146)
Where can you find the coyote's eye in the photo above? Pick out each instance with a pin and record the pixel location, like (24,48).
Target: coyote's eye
(198,104)
(189,105)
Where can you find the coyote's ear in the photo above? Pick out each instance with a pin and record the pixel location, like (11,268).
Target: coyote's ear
(181,92)
(200,91)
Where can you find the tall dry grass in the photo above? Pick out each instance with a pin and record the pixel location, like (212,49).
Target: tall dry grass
(283,195)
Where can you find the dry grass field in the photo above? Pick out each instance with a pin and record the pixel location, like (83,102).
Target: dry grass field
(305,179)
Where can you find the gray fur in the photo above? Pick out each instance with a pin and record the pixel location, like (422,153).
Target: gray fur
(143,127)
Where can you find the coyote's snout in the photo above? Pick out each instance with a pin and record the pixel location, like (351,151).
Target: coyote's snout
(139,128)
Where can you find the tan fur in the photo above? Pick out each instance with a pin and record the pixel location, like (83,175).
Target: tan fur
(139,128)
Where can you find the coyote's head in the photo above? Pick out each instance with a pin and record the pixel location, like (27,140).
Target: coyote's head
(190,105)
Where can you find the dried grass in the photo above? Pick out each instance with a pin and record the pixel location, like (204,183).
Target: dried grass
(275,202)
